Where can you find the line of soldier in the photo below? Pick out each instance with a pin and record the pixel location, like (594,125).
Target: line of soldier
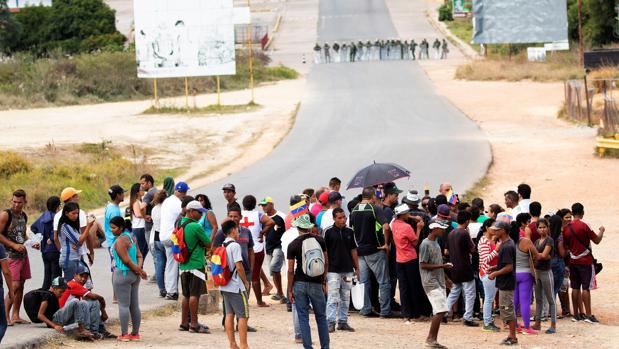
(380,50)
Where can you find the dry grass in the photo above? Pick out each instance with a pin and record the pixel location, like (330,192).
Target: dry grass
(559,66)
(214,109)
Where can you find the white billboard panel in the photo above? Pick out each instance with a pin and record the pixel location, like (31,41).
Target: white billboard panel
(186,38)
(26,3)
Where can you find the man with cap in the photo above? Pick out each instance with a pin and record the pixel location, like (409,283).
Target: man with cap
(91,306)
(193,274)
(230,195)
(170,210)
(273,246)
(324,206)
(505,275)
(317,206)
(41,305)
(304,286)
(71,194)
(334,201)
(433,279)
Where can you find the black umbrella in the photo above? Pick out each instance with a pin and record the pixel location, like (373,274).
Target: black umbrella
(377,174)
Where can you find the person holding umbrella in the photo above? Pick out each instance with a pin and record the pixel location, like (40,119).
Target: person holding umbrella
(372,233)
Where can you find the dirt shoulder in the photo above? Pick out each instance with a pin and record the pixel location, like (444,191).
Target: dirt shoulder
(530,145)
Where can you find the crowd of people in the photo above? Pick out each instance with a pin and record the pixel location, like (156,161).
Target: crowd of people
(450,260)
(378,50)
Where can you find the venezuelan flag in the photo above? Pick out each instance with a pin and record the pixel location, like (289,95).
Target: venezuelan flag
(299,209)
(452,198)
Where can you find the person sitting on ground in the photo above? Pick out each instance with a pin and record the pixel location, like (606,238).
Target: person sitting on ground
(235,292)
(128,261)
(193,273)
(91,306)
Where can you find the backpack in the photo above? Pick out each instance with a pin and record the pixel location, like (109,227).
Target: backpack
(220,267)
(312,258)
(180,252)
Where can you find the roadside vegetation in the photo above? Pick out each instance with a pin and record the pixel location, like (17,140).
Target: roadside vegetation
(509,62)
(213,109)
(91,167)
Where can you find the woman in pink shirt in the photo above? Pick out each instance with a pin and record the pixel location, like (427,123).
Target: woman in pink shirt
(488,258)
(412,297)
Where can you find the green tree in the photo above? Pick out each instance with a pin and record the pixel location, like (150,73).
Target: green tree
(36,29)
(9,28)
(598,21)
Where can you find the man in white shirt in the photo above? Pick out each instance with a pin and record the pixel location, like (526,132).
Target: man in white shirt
(335,201)
(524,194)
(170,210)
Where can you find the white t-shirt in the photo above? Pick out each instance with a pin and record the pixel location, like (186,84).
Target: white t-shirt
(251,221)
(156,217)
(82,217)
(474,229)
(170,209)
(327,220)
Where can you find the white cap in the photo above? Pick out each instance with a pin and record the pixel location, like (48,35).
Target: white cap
(195,205)
(401,209)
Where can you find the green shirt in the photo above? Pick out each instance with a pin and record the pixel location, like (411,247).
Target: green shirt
(482,219)
(195,239)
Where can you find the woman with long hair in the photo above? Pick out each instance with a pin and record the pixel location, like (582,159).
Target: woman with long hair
(127,273)
(488,249)
(138,225)
(544,288)
(525,276)
(71,240)
(208,220)
(157,248)
(565,215)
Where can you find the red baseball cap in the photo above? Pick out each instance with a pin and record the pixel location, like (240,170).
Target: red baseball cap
(324,197)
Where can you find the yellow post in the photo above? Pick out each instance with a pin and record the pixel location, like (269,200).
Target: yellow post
(156,94)
(218,92)
(251,62)
(186,95)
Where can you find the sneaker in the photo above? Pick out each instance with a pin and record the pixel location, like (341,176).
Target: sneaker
(331,327)
(529,330)
(519,329)
(124,338)
(106,334)
(172,297)
(551,330)
(576,318)
(390,316)
(469,323)
(371,314)
(509,341)
(345,327)
(135,337)
(277,297)
(162,294)
(491,327)
(591,320)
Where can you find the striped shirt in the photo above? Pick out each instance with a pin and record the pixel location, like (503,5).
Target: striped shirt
(488,255)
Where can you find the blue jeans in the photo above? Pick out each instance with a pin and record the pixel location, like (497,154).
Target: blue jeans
(489,293)
(306,293)
(468,288)
(558,274)
(140,236)
(377,264)
(69,268)
(159,256)
(339,286)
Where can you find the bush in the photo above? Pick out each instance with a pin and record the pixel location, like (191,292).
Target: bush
(12,163)
(445,12)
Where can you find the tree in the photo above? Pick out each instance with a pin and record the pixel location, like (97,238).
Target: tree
(36,34)
(10,29)
(598,21)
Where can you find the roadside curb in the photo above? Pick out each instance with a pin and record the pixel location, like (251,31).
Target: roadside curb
(465,48)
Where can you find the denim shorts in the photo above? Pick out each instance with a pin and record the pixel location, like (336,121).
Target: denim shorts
(276,261)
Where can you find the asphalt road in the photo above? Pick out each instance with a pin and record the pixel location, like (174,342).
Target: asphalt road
(355,113)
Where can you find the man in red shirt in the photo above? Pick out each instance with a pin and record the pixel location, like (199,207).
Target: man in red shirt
(92,305)
(577,237)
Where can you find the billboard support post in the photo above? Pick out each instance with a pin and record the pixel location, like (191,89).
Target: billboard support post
(218,91)
(186,95)
(156,93)
(581,56)
(251,60)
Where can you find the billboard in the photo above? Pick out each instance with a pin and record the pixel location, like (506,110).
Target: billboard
(461,8)
(186,38)
(519,21)
(26,3)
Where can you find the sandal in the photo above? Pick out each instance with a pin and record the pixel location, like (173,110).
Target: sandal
(199,329)
(509,341)
(551,330)
(182,327)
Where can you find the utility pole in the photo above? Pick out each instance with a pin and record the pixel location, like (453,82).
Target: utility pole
(581,54)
